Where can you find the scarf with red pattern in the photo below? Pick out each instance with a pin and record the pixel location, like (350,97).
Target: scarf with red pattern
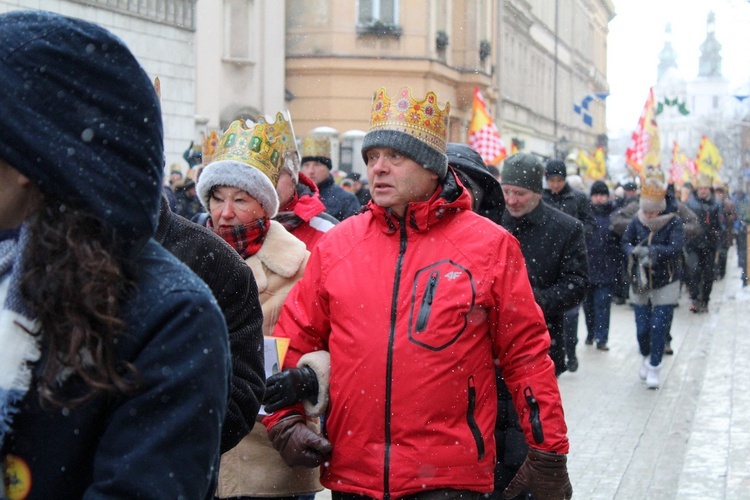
(245,238)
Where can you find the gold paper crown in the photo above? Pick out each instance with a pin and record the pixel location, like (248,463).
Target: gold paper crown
(281,132)
(422,119)
(653,182)
(704,180)
(210,143)
(252,147)
(316,145)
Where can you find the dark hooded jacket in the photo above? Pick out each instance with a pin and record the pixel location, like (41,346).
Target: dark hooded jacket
(80,119)
(487,195)
(339,203)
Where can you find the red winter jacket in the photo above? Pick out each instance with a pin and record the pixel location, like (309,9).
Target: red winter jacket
(414,317)
(304,216)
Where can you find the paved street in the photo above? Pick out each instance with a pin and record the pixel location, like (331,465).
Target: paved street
(689,439)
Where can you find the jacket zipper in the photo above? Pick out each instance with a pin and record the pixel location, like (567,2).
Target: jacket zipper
(426,307)
(389,363)
(534,419)
(473,427)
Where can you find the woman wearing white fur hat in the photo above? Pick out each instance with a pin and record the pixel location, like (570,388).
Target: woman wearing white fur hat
(238,188)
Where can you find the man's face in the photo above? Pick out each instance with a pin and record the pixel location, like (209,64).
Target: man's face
(599,199)
(703,192)
(555,183)
(630,194)
(396,180)
(315,170)
(520,201)
(16,196)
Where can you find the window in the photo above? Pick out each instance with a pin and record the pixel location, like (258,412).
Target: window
(239,32)
(378,11)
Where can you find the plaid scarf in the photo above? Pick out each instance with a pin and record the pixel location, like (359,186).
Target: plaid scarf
(246,239)
(18,347)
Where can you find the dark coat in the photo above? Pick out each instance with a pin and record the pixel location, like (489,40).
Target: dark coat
(160,440)
(573,202)
(603,247)
(711,226)
(554,248)
(234,288)
(339,202)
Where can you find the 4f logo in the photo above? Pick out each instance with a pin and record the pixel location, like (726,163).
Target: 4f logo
(453,275)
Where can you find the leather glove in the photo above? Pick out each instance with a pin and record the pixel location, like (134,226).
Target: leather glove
(289,387)
(544,474)
(640,252)
(297,444)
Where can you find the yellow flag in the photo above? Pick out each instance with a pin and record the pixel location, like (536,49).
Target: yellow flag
(598,168)
(709,161)
(585,163)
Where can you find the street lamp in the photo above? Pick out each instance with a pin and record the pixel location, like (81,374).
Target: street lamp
(561,148)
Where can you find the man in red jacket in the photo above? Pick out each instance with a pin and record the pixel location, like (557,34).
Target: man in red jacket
(416,300)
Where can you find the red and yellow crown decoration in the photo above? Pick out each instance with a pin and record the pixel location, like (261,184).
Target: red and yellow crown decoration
(653,182)
(210,143)
(424,120)
(252,147)
(281,132)
(316,145)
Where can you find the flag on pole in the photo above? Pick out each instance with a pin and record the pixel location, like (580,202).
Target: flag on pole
(598,168)
(644,146)
(709,160)
(683,168)
(585,163)
(484,137)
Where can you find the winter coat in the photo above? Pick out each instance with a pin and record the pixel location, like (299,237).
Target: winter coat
(603,247)
(554,247)
(572,202)
(305,216)
(162,438)
(254,467)
(339,202)
(711,227)
(234,288)
(413,343)
(665,248)
(621,217)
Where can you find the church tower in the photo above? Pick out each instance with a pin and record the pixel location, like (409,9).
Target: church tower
(709,64)
(667,56)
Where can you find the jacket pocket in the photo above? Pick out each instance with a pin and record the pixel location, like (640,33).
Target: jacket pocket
(471,421)
(442,297)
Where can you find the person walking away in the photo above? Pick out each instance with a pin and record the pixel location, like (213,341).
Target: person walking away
(436,307)
(729,214)
(115,358)
(653,241)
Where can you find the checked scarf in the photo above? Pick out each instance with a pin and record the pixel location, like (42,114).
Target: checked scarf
(246,239)
(18,348)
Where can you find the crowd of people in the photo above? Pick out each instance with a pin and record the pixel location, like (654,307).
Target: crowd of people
(427,310)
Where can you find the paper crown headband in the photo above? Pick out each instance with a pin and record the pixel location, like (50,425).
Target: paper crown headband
(250,146)
(210,143)
(316,145)
(653,182)
(281,132)
(422,119)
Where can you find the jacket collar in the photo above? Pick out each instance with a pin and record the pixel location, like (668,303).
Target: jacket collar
(306,202)
(536,217)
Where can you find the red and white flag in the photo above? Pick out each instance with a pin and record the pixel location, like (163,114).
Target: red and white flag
(644,143)
(484,137)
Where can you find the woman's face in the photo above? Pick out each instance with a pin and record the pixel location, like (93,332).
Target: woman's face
(231,206)
(17,197)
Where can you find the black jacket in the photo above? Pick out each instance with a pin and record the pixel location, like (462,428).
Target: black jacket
(339,202)
(554,248)
(710,220)
(574,203)
(234,288)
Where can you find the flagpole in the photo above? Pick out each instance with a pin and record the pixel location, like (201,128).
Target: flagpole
(554,96)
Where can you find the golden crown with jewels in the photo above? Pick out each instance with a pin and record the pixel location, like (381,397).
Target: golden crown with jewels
(316,145)
(424,120)
(281,132)
(251,146)
(653,182)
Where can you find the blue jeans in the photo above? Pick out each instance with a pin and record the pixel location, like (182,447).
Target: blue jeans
(652,325)
(596,310)
(570,332)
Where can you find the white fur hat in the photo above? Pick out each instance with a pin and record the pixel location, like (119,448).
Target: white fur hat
(240,175)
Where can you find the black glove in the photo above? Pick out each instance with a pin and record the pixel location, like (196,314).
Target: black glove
(290,387)
(297,444)
(544,474)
